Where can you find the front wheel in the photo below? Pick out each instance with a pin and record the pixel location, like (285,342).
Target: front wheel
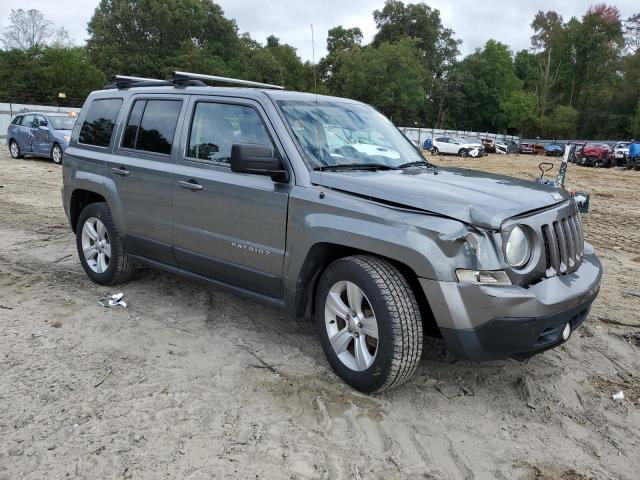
(463,152)
(100,247)
(56,154)
(14,149)
(369,323)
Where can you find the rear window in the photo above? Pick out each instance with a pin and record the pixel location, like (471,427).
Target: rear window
(152,125)
(17,120)
(97,127)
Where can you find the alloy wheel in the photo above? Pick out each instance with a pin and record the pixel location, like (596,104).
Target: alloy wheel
(14,150)
(96,245)
(351,325)
(56,154)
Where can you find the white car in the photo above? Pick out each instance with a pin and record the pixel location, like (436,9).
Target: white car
(621,149)
(457,146)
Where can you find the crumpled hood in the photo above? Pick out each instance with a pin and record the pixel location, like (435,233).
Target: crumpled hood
(594,151)
(478,198)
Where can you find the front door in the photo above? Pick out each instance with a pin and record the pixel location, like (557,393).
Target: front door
(228,226)
(141,170)
(40,136)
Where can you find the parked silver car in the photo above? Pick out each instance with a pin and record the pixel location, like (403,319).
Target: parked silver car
(40,134)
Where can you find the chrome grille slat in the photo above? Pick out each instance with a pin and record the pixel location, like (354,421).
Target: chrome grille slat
(571,246)
(563,241)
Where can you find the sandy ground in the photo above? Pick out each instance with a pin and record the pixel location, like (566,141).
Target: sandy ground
(172,386)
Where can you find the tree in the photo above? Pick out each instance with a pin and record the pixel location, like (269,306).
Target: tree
(487,76)
(632,33)
(389,77)
(340,39)
(37,76)
(418,21)
(563,122)
(519,109)
(151,37)
(29,29)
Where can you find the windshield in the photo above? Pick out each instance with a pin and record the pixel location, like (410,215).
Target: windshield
(60,122)
(339,133)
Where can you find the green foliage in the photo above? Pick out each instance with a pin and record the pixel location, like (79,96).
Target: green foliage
(390,77)
(519,109)
(38,75)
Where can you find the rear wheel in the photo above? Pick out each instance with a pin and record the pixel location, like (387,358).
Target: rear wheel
(435,151)
(369,323)
(56,154)
(14,149)
(100,247)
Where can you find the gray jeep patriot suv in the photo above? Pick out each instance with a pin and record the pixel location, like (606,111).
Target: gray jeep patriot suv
(321,206)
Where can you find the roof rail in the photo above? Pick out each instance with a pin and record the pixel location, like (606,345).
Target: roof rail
(123,81)
(183,76)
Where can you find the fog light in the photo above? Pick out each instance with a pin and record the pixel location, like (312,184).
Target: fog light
(566,332)
(487,277)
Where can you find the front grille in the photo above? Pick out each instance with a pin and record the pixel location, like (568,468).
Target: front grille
(563,245)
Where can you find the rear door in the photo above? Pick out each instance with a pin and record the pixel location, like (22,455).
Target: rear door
(141,170)
(228,226)
(24,133)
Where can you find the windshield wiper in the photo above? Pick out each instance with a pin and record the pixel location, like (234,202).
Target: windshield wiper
(355,166)
(419,163)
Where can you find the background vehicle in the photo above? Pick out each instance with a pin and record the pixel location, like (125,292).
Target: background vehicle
(594,155)
(456,146)
(621,152)
(488,145)
(553,150)
(376,249)
(39,134)
(526,148)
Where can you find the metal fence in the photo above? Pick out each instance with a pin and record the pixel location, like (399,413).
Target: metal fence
(419,135)
(10,110)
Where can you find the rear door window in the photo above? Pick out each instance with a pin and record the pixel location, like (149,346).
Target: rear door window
(98,124)
(152,125)
(27,121)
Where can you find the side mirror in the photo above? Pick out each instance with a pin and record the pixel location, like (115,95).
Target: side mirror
(43,127)
(257,159)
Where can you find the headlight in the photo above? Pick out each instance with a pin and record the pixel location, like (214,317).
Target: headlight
(518,250)
(67,138)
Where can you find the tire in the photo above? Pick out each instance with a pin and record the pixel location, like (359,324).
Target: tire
(119,267)
(56,154)
(387,298)
(435,151)
(462,152)
(14,150)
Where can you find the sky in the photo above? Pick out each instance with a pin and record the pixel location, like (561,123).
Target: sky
(473,21)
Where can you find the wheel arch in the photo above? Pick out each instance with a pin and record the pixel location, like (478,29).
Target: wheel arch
(300,301)
(80,198)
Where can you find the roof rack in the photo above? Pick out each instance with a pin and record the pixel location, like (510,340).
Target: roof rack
(180,77)
(123,81)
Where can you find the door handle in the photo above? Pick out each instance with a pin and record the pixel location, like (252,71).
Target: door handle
(121,171)
(191,185)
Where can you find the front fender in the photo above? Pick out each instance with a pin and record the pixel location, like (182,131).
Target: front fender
(431,246)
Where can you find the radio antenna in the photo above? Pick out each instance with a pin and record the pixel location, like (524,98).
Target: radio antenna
(315,87)
(313,59)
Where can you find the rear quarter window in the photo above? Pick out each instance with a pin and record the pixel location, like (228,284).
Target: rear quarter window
(98,124)
(17,120)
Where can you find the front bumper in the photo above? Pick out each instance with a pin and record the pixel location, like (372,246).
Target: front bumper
(484,322)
